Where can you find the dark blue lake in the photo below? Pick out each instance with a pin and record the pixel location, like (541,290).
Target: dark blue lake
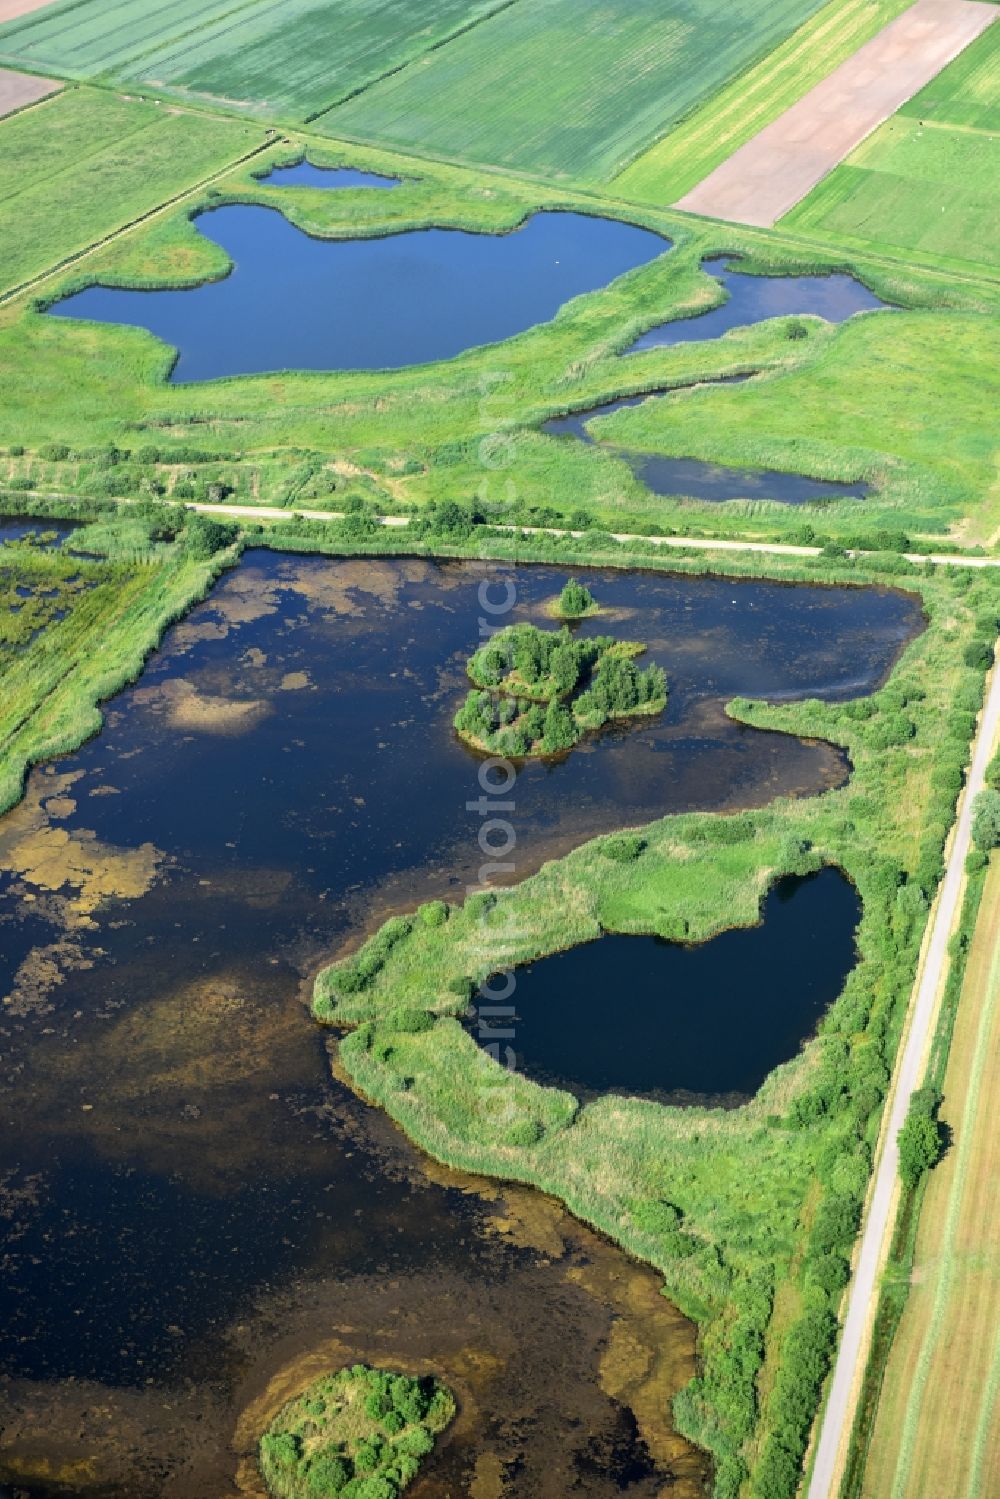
(304,174)
(297,303)
(753,299)
(687,1023)
(691,477)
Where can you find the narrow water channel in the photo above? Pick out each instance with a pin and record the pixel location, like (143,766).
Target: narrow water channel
(196,1216)
(691,477)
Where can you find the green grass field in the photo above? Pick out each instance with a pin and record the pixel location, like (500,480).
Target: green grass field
(627,70)
(722,124)
(103,161)
(928,181)
(287,58)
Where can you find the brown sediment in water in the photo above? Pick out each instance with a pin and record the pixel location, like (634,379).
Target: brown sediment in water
(188,710)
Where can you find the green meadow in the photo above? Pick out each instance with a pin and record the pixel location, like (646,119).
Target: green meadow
(104,161)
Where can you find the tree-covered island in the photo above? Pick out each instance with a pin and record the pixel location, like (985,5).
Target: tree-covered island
(537,692)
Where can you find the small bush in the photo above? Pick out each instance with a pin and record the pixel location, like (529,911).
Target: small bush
(624,848)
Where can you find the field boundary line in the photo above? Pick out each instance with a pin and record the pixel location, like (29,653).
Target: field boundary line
(400,67)
(188,192)
(836,1423)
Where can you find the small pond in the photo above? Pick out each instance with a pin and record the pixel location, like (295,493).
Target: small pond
(687,1023)
(694,479)
(16,528)
(194,1208)
(304,174)
(753,299)
(378,303)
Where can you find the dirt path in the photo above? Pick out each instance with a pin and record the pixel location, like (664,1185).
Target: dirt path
(838,1418)
(697,543)
(19,89)
(779,166)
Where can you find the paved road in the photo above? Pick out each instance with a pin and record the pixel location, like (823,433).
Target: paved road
(763,179)
(852,1355)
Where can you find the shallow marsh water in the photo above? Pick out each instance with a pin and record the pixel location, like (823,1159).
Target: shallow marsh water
(197,1217)
(377,303)
(16,528)
(693,478)
(752,299)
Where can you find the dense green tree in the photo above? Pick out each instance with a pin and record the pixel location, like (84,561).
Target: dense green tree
(560,731)
(920,1138)
(986,820)
(576,600)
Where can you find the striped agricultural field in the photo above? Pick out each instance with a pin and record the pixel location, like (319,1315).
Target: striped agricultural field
(723,123)
(275,57)
(568,88)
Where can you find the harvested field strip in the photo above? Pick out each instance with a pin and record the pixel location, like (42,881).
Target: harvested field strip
(779,166)
(936,1430)
(679,161)
(10,10)
(20,89)
(112,186)
(927,181)
(627,69)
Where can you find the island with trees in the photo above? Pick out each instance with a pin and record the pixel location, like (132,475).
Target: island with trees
(575,602)
(537,692)
(361,1433)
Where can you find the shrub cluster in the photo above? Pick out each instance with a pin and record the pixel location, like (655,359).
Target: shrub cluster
(359,1434)
(539,691)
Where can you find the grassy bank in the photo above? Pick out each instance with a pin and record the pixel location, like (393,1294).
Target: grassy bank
(55,680)
(106,161)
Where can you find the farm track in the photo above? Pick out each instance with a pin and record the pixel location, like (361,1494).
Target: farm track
(934,1429)
(852,1355)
